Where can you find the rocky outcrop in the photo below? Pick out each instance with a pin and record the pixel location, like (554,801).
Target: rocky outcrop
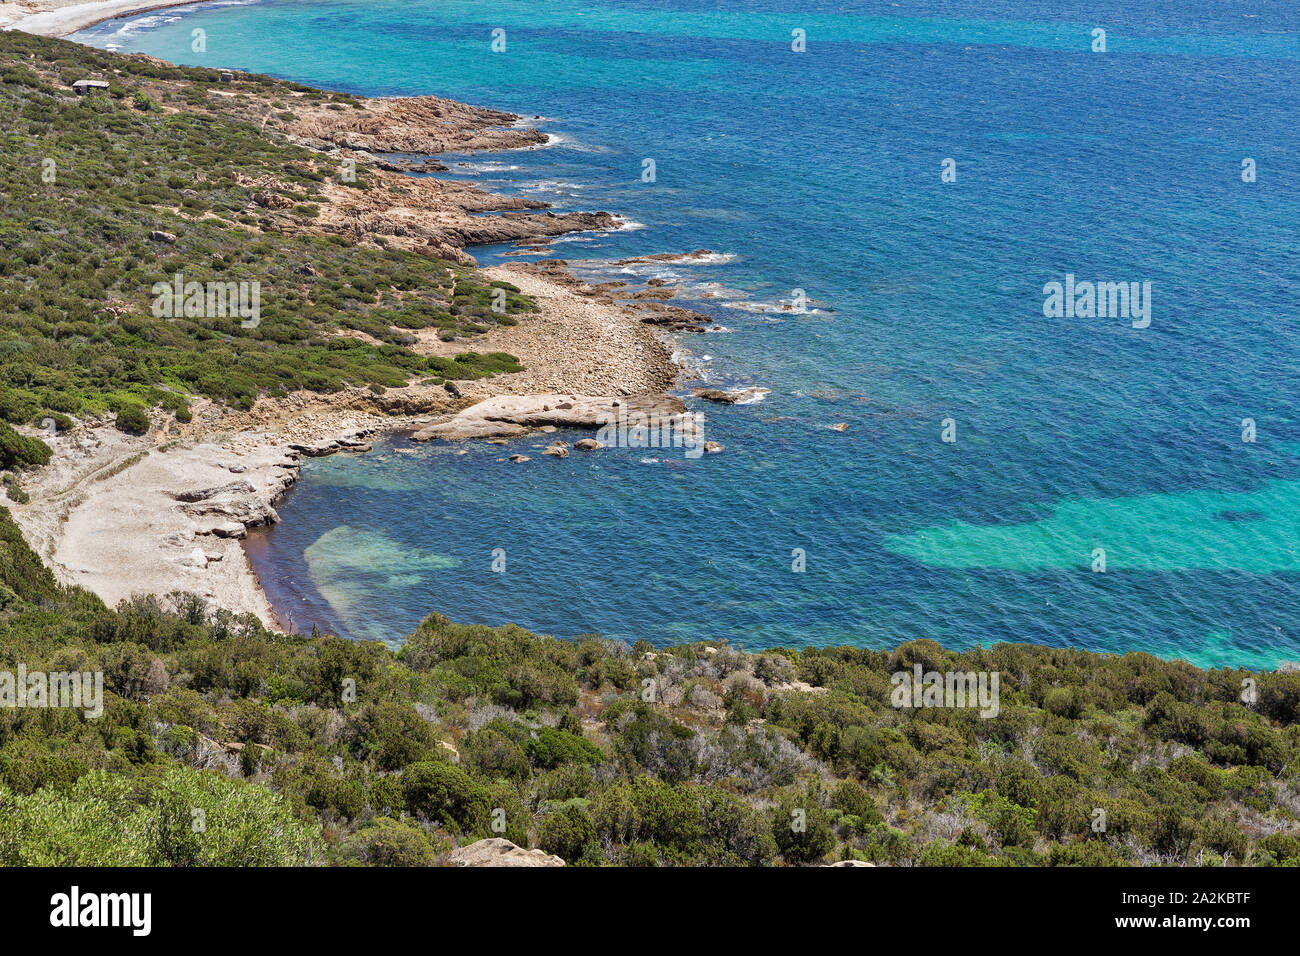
(459,429)
(418,124)
(412,165)
(332,446)
(496,851)
(715,395)
(269,200)
(440,216)
(249,512)
(674,318)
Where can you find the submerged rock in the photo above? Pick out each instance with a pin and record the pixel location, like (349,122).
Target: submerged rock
(717,395)
(735,396)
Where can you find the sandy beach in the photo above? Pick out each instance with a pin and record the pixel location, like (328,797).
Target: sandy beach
(59,18)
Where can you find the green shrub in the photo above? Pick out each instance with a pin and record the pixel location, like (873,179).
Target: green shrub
(569,834)
(443,792)
(131,417)
(387,842)
(19,451)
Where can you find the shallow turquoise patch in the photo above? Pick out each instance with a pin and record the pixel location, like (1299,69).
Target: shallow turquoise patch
(1256,531)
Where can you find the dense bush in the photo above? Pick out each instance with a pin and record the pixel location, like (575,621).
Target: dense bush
(19,451)
(472,731)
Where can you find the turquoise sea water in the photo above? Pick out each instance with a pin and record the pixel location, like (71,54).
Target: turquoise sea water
(821,171)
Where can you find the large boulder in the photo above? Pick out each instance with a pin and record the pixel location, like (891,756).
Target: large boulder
(496,851)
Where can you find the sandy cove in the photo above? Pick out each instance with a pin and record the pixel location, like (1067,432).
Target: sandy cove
(130,515)
(123,516)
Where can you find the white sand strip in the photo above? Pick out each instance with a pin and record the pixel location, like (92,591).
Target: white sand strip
(58,18)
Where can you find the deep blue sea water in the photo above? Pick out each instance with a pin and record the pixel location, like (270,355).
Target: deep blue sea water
(821,171)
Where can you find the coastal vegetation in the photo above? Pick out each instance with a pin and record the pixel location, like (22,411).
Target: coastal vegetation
(316,750)
(223,743)
(172,172)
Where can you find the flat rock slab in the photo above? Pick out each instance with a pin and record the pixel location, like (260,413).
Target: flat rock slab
(506,415)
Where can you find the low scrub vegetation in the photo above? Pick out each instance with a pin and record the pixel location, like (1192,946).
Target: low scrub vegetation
(108,194)
(340,752)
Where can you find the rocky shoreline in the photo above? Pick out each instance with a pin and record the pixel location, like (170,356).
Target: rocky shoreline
(185,496)
(124,515)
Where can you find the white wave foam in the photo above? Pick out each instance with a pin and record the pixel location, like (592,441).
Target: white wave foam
(780,306)
(489,167)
